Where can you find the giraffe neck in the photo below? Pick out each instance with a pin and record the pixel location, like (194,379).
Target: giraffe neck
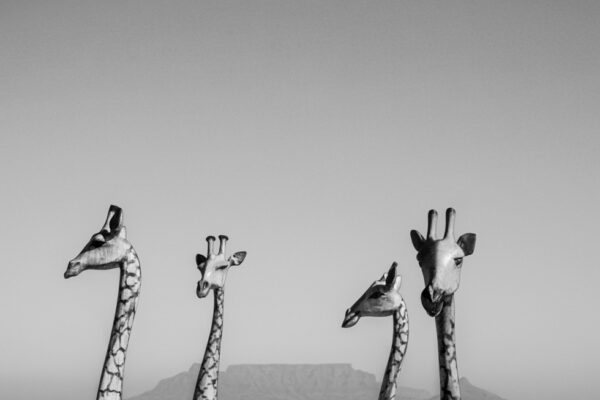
(207,385)
(399,344)
(444,322)
(111,380)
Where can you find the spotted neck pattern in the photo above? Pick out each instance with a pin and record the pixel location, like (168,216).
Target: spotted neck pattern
(111,380)
(207,385)
(444,323)
(399,345)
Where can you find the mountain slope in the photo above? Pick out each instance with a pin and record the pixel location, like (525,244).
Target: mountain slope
(294,382)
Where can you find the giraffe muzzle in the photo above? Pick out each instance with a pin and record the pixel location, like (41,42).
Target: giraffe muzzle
(432,301)
(202,289)
(350,319)
(74,268)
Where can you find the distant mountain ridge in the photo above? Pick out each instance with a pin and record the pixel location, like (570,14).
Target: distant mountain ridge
(294,382)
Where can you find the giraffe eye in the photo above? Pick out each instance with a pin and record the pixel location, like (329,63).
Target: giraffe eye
(458,261)
(376,295)
(97,240)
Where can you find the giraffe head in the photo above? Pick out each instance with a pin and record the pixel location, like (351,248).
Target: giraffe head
(106,249)
(441,260)
(214,267)
(381,299)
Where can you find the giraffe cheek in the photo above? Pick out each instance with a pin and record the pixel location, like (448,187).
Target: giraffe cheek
(452,282)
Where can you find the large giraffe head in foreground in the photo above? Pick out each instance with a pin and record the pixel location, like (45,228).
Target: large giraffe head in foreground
(441,260)
(215,265)
(106,249)
(381,299)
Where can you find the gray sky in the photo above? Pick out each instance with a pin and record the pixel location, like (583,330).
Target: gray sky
(316,136)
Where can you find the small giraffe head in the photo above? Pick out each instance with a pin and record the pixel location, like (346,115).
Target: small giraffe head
(381,299)
(441,260)
(106,249)
(214,267)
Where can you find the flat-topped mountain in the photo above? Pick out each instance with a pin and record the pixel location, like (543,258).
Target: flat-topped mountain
(293,382)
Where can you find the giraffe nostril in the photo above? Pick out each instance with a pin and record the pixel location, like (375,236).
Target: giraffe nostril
(204,285)
(431,291)
(434,295)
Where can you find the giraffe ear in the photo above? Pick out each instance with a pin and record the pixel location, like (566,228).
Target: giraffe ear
(200,259)
(114,219)
(467,243)
(391,276)
(417,239)
(237,258)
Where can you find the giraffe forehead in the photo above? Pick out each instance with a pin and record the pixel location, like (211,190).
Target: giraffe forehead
(387,302)
(365,296)
(119,242)
(446,246)
(107,251)
(442,251)
(216,263)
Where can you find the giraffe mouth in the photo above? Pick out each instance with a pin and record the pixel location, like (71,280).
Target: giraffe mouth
(350,319)
(433,308)
(73,269)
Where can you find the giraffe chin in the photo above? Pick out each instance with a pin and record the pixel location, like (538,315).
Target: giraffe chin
(433,308)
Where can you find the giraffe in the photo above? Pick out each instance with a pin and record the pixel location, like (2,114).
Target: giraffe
(109,249)
(214,269)
(382,299)
(441,262)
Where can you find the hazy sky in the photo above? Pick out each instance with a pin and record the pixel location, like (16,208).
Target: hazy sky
(316,135)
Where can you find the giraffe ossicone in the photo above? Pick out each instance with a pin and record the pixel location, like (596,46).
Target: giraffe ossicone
(213,267)
(441,262)
(383,299)
(108,249)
